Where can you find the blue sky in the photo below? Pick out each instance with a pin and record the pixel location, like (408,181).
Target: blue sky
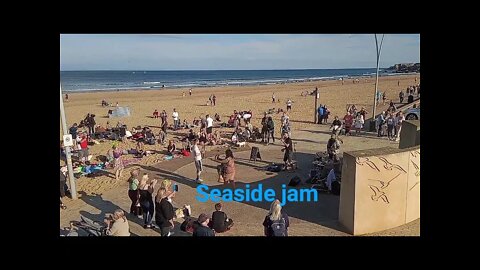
(228,51)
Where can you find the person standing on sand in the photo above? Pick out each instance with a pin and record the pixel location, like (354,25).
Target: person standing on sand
(175,119)
(320,111)
(66,95)
(197,155)
(398,83)
(273,97)
(214,99)
(401,95)
(271,129)
(390,124)
(227,174)
(264,127)
(117,161)
(326,113)
(289,105)
(190,91)
(399,121)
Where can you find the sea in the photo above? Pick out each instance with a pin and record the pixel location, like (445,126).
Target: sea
(115,80)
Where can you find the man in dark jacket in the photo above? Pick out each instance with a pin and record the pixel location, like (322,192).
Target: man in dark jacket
(203,229)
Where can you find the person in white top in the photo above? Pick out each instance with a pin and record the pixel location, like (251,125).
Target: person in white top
(399,119)
(197,155)
(175,119)
(289,105)
(209,125)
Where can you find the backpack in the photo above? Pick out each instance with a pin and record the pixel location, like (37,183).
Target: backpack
(279,227)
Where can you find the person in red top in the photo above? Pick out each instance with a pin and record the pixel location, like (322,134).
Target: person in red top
(348,121)
(83,155)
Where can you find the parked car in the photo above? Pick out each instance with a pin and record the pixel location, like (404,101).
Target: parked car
(412,114)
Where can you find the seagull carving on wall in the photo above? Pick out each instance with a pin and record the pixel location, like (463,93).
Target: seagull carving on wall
(362,161)
(378,194)
(417,172)
(385,185)
(389,166)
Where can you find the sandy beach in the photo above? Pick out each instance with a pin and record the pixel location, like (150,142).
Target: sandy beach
(142,103)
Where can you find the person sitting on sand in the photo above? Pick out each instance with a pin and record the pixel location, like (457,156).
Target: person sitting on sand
(220,222)
(234,138)
(276,217)
(155,114)
(171,148)
(217,117)
(190,136)
(117,224)
(203,137)
(140,148)
(203,229)
(196,122)
(216,138)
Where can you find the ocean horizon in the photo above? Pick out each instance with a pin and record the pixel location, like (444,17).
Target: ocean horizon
(112,80)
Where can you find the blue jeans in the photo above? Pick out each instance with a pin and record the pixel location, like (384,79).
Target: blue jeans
(148,209)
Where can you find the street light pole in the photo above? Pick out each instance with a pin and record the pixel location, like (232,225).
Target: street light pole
(71,177)
(316,99)
(378,49)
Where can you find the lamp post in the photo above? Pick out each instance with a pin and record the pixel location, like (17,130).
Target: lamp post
(378,49)
(71,177)
(317,96)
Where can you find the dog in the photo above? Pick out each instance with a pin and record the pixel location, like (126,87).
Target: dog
(241,144)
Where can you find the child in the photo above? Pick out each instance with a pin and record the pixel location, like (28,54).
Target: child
(220,222)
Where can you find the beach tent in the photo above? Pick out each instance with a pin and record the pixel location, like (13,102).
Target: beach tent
(119,112)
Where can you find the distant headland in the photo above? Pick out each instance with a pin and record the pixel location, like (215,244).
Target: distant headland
(404,68)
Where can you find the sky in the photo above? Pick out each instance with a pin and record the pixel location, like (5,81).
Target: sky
(233,51)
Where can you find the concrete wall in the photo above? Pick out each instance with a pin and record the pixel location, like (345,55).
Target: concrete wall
(380,189)
(410,134)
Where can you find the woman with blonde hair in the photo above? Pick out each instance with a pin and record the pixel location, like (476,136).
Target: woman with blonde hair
(134,194)
(117,161)
(276,223)
(146,188)
(117,224)
(164,213)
